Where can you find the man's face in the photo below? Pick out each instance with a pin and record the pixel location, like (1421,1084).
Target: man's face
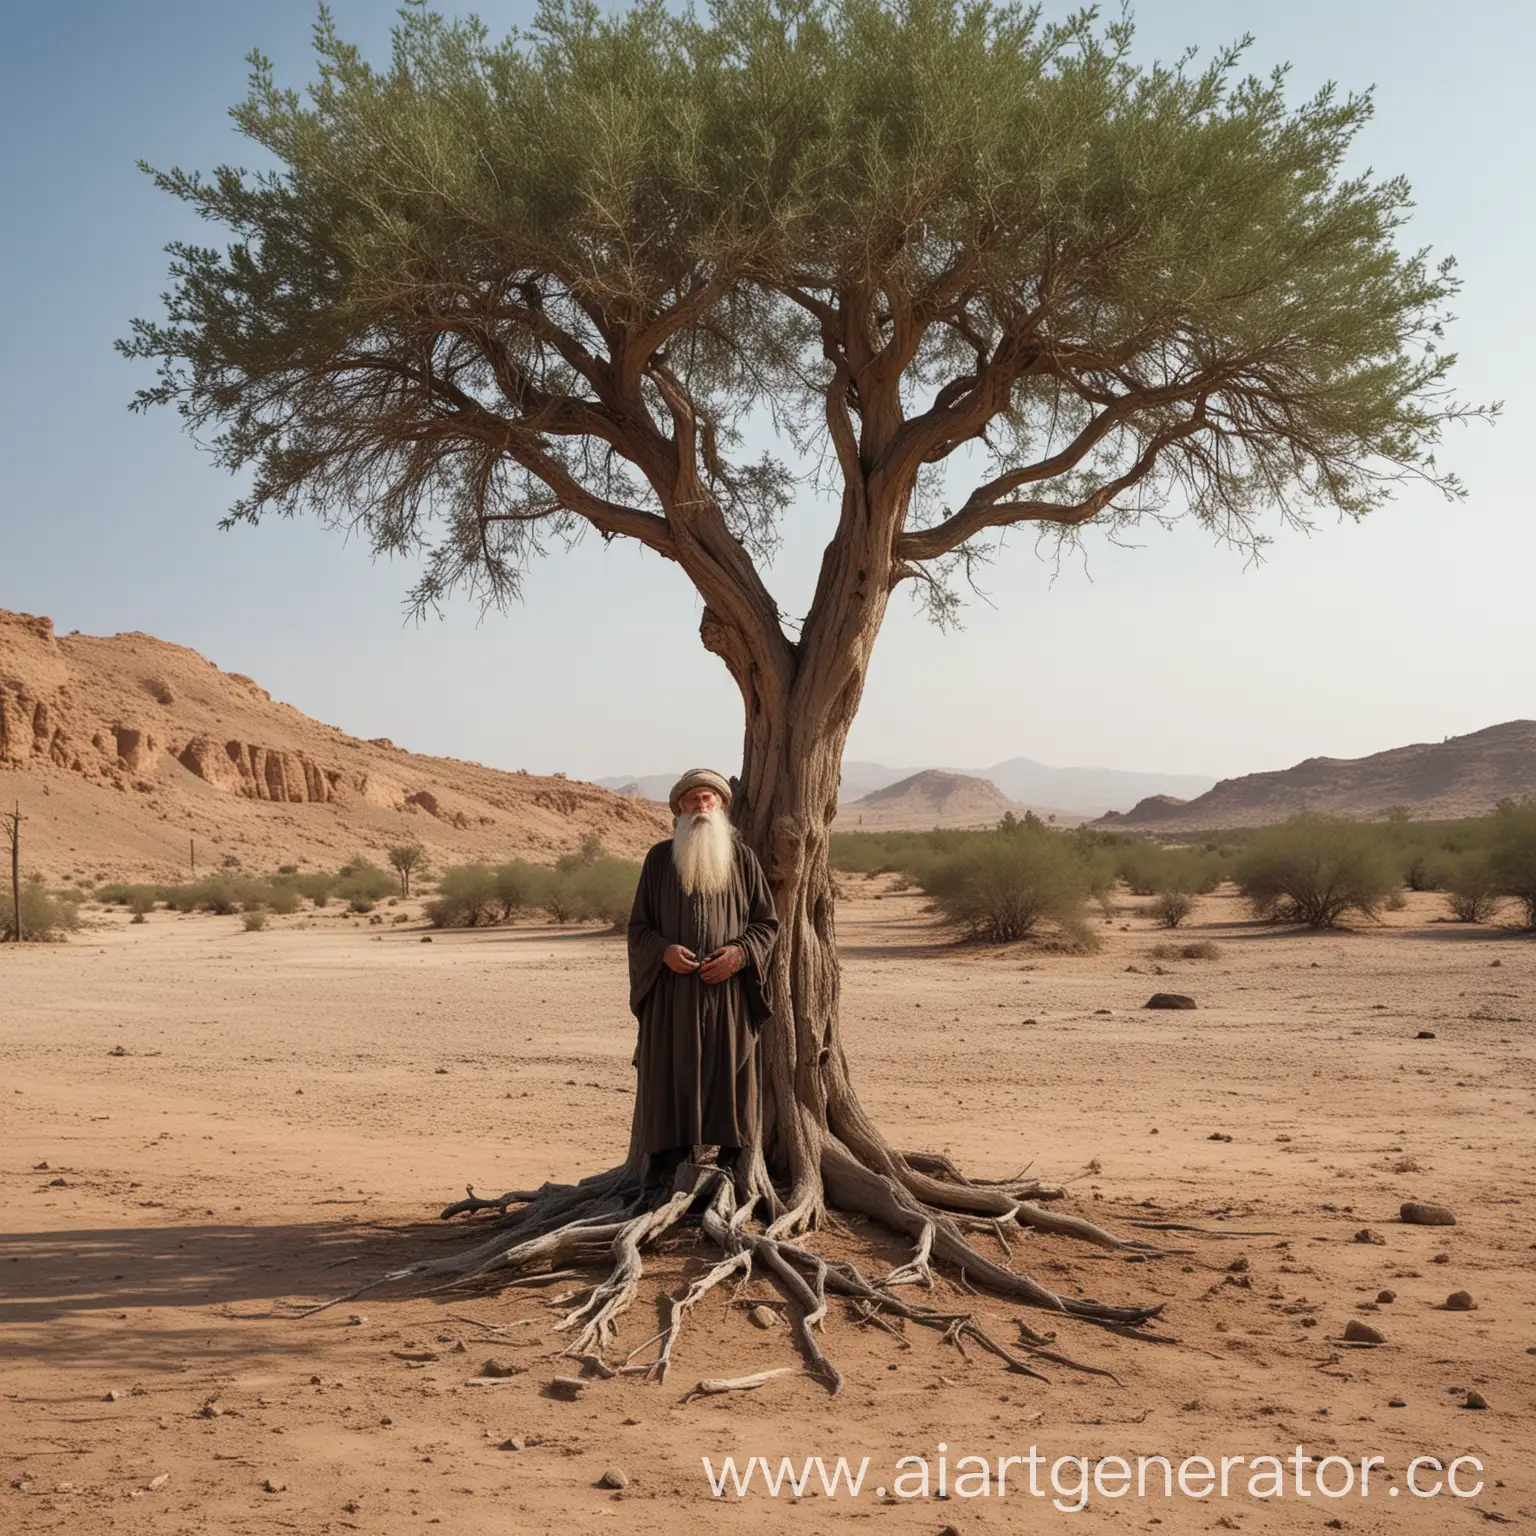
(699,798)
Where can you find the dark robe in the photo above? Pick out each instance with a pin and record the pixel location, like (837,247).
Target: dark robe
(697,1054)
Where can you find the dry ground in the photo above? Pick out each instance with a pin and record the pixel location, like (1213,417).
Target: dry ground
(231,1122)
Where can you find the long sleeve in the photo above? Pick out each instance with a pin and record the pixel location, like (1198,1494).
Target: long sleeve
(646,943)
(757,939)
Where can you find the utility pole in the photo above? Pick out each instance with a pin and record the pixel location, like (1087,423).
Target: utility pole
(13,831)
(192,855)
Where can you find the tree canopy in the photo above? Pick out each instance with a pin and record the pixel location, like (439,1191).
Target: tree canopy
(500,291)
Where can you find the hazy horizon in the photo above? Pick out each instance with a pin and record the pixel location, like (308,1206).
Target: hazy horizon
(1171,657)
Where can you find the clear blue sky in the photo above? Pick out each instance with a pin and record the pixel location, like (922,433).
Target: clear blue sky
(1419,623)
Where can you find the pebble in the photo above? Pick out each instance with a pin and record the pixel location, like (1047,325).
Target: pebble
(1170,1000)
(270,1487)
(495,1367)
(158,1482)
(567,1388)
(1460,1301)
(1418,1214)
(1385,1296)
(1475,1400)
(1396,1402)
(1425,1034)
(1368,1235)
(763,1317)
(1356,1332)
(614,1477)
(513,1443)
(111,1395)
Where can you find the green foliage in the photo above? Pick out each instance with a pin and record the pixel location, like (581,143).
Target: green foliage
(575,891)
(466,898)
(45,915)
(362,884)
(1170,908)
(1512,856)
(1472,888)
(1314,870)
(1002,886)
(454,256)
(318,887)
(1150,869)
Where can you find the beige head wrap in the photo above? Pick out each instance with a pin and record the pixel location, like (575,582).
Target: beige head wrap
(699,778)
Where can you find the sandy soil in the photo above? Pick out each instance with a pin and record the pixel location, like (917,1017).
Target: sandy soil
(203,1127)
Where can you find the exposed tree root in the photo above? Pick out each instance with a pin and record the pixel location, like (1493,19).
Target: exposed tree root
(559,1227)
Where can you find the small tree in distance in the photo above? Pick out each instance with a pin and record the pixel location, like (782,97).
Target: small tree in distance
(407,859)
(498,293)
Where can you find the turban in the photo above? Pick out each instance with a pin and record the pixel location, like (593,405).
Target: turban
(699,778)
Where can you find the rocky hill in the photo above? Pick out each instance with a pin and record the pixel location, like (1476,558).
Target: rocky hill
(1460,776)
(932,798)
(130,754)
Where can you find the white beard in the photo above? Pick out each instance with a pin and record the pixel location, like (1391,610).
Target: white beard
(703,848)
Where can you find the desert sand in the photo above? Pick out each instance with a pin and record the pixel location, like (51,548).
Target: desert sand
(206,1129)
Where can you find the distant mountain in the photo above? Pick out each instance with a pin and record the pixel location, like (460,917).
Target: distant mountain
(1460,776)
(1073,792)
(928,799)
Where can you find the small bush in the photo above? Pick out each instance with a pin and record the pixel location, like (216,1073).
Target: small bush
(361,904)
(44,916)
(362,881)
(318,887)
(603,890)
(1512,854)
(466,898)
(1313,870)
(1170,908)
(287,869)
(255,918)
(518,887)
(1001,888)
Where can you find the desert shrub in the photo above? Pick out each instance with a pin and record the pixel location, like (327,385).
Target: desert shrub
(1313,870)
(1202,949)
(318,887)
(287,869)
(280,897)
(1170,908)
(1149,870)
(1512,854)
(361,903)
(141,902)
(255,918)
(1001,888)
(518,886)
(362,881)
(1472,889)
(219,894)
(466,898)
(44,916)
(603,889)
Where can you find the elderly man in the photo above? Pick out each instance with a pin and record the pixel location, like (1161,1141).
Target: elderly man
(700,936)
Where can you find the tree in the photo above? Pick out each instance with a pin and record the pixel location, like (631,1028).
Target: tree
(405,859)
(500,293)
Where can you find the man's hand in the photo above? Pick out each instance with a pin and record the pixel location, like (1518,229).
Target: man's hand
(681,960)
(723,964)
